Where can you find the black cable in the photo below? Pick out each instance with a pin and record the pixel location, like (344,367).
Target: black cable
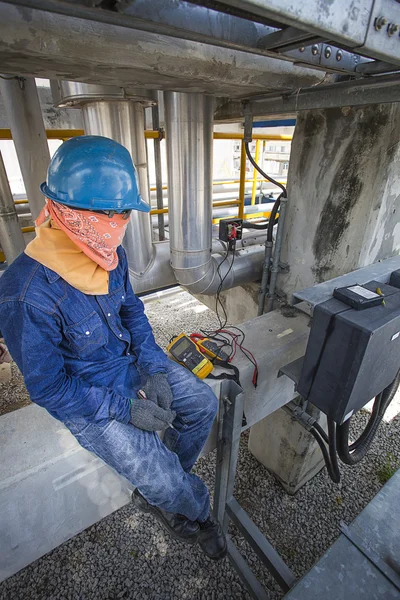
(272,218)
(321,432)
(324,451)
(333,451)
(258,168)
(232,247)
(351,454)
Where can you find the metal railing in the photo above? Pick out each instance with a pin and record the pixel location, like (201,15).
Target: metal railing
(65,134)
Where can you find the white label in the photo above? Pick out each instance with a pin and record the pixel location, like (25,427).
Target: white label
(357,289)
(395,336)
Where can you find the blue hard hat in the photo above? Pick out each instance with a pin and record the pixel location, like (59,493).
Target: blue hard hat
(94,173)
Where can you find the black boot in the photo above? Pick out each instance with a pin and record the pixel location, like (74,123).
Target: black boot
(177,525)
(212,539)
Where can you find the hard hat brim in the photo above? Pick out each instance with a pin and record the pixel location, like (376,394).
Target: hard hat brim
(139,205)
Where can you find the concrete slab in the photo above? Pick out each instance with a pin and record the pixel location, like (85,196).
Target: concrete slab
(346,572)
(51,488)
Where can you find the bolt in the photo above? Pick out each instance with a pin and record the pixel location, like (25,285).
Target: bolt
(315,49)
(392,28)
(302,49)
(339,55)
(328,51)
(380,22)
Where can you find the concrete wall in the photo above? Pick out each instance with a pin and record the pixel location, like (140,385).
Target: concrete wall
(240,303)
(343,213)
(344,193)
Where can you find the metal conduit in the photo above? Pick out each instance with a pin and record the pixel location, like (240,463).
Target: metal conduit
(189,128)
(11,238)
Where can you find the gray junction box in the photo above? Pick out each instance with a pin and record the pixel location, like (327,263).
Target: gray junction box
(352,355)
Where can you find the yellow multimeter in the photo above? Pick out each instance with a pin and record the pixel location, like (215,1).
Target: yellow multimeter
(212,349)
(186,352)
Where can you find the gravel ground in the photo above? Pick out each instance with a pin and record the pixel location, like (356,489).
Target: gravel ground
(13,394)
(127,555)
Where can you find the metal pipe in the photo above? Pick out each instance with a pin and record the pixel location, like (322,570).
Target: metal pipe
(264,279)
(158,170)
(123,121)
(11,238)
(22,107)
(159,273)
(277,254)
(189,125)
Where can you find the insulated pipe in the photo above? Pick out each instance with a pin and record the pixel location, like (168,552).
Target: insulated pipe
(189,137)
(22,107)
(11,238)
(123,121)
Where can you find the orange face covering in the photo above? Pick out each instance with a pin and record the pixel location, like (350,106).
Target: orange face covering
(97,235)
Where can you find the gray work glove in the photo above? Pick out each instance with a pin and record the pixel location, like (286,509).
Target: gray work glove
(148,416)
(158,390)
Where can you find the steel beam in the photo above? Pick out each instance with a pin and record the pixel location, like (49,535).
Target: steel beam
(375,90)
(40,43)
(364,26)
(264,550)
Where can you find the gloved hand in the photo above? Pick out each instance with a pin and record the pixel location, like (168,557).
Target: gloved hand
(158,390)
(148,416)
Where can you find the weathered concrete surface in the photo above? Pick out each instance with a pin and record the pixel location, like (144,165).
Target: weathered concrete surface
(343,213)
(240,303)
(344,193)
(294,456)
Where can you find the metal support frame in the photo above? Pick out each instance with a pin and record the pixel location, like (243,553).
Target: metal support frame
(360,92)
(226,508)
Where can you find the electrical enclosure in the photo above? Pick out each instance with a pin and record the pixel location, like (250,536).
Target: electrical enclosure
(352,355)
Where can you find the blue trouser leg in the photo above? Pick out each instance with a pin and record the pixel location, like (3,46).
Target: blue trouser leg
(160,470)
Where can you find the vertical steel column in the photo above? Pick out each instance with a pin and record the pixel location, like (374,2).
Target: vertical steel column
(21,103)
(123,121)
(229,429)
(11,238)
(157,164)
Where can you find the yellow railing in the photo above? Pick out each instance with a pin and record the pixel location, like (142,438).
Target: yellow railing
(65,134)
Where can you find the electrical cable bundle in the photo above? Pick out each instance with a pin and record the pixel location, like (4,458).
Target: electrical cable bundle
(337,439)
(272,219)
(234,340)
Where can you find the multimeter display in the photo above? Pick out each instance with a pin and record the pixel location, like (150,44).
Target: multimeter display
(183,345)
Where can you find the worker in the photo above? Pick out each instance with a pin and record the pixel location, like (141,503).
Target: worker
(87,352)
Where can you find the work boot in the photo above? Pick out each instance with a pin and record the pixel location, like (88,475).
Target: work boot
(212,540)
(178,526)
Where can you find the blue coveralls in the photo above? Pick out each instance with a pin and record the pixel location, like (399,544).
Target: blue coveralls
(83,357)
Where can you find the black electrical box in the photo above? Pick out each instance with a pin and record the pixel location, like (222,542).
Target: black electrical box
(352,355)
(230,230)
